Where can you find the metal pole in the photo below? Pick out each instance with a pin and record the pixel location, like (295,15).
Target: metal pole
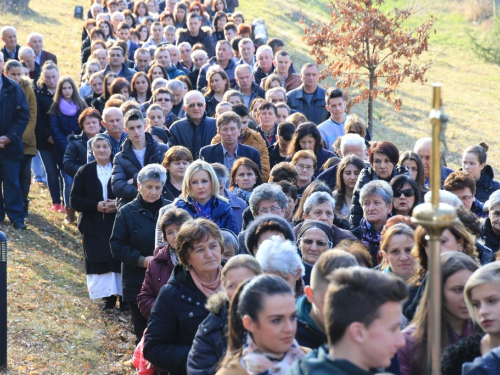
(434,217)
(3,300)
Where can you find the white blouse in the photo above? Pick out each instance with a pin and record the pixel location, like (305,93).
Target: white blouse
(104,174)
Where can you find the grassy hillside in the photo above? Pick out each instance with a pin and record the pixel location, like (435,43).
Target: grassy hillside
(470,87)
(53,326)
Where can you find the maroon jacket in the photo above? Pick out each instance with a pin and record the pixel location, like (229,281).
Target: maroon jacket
(157,275)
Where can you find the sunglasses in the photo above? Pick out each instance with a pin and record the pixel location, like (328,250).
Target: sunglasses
(406,192)
(320,243)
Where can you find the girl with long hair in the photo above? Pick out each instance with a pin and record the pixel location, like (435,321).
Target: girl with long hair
(347,176)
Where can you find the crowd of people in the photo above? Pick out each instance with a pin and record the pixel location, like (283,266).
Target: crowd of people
(228,202)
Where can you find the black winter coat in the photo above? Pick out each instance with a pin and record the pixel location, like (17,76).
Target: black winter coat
(14,118)
(367,175)
(44,100)
(210,342)
(96,227)
(176,315)
(486,185)
(62,126)
(203,38)
(76,153)
(489,238)
(98,104)
(186,133)
(133,236)
(126,166)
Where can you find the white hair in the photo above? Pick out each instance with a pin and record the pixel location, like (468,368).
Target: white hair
(175,84)
(117,14)
(186,44)
(32,35)
(24,50)
(159,82)
(240,67)
(425,141)
(263,49)
(4,29)
(318,197)
(192,94)
(492,201)
(352,139)
(444,197)
(198,52)
(278,255)
(273,91)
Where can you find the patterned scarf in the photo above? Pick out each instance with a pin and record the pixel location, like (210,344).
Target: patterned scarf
(257,362)
(371,238)
(204,210)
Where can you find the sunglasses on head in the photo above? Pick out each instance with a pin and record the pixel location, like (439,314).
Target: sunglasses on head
(406,192)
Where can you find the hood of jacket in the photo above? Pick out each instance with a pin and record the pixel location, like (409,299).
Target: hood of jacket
(216,303)
(303,313)
(487,176)
(78,137)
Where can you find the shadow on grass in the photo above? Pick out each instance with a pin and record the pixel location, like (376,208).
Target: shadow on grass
(32,15)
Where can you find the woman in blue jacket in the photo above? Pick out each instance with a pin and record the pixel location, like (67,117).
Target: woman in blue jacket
(200,196)
(64,114)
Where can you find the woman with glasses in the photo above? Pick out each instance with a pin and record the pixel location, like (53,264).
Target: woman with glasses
(314,238)
(305,162)
(307,137)
(245,176)
(406,195)
(201,198)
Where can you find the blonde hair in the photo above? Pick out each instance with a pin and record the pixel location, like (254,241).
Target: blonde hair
(196,166)
(241,261)
(487,274)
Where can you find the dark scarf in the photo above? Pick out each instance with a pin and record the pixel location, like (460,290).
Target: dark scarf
(371,239)
(151,207)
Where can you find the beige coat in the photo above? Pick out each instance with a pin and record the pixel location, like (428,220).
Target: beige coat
(29,140)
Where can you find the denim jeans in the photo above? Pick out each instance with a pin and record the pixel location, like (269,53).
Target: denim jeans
(11,202)
(53,176)
(38,169)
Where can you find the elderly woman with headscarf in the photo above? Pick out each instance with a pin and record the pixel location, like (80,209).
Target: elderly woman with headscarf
(313,239)
(376,201)
(133,238)
(279,257)
(92,197)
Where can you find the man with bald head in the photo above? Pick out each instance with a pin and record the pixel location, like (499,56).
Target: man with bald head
(423,148)
(196,130)
(10,49)
(35,41)
(27,55)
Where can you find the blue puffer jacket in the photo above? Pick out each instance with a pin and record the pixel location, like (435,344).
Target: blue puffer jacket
(62,127)
(222,213)
(14,114)
(486,185)
(488,364)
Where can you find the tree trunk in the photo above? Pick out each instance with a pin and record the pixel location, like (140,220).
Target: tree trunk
(14,6)
(370,102)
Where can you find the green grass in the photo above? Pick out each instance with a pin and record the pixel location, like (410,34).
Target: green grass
(470,86)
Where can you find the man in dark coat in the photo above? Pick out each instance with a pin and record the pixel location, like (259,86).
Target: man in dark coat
(15,115)
(196,130)
(138,150)
(35,41)
(116,64)
(10,49)
(309,98)
(264,65)
(194,34)
(223,59)
(228,150)
(246,85)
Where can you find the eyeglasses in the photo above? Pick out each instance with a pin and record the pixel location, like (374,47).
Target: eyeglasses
(163,100)
(192,105)
(407,193)
(306,167)
(273,210)
(320,243)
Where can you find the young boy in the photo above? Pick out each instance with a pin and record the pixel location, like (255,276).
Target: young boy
(310,319)
(362,320)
